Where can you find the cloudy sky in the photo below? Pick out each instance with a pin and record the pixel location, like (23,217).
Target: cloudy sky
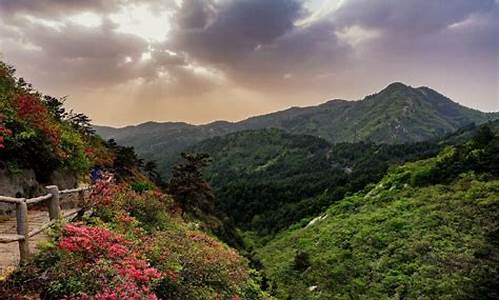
(129,61)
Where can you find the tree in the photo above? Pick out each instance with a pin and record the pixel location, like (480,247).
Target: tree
(81,123)
(483,137)
(301,261)
(56,107)
(151,169)
(125,161)
(190,191)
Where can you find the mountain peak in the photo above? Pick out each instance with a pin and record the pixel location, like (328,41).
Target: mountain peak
(396,86)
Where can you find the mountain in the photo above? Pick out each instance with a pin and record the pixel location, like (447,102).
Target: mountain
(397,114)
(427,230)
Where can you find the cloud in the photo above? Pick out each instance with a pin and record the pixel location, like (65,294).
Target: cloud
(222,33)
(256,43)
(263,55)
(55,8)
(410,17)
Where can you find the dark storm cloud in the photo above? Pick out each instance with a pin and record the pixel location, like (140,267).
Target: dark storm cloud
(259,42)
(256,42)
(434,33)
(412,25)
(225,32)
(57,8)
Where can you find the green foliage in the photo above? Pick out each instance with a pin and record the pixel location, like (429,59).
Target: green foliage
(190,191)
(125,161)
(140,187)
(151,169)
(479,155)
(267,180)
(407,237)
(301,261)
(205,267)
(129,230)
(37,133)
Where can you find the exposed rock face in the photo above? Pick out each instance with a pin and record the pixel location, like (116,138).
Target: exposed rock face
(64,180)
(23,183)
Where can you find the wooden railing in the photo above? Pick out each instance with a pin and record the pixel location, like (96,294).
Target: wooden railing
(22,223)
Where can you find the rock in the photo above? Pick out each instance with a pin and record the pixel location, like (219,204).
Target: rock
(21,183)
(312,288)
(316,220)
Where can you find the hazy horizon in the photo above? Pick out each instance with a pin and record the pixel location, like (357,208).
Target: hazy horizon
(265,113)
(197,61)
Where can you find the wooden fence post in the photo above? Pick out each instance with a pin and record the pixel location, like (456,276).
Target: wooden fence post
(81,197)
(54,205)
(22,229)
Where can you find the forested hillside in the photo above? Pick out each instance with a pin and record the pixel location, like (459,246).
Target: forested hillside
(267,180)
(427,230)
(397,114)
(38,135)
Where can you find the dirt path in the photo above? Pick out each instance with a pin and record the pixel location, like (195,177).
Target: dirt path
(9,253)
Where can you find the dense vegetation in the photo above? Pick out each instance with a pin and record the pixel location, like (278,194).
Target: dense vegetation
(427,230)
(397,114)
(267,180)
(135,245)
(37,133)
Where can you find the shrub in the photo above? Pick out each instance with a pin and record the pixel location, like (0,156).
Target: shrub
(133,248)
(140,187)
(106,265)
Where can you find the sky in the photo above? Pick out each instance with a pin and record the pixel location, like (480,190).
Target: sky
(129,61)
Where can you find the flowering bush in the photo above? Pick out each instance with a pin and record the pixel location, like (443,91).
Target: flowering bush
(31,110)
(134,248)
(207,269)
(37,133)
(113,200)
(94,242)
(103,193)
(122,273)
(125,291)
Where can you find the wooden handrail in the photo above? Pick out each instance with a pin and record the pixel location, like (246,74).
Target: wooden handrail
(23,234)
(39,199)
(11,200)
(81,189)
(9,238)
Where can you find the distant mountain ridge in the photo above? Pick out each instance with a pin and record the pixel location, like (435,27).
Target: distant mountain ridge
(397,114)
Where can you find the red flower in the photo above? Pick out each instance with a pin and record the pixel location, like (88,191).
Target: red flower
(31,109)
(95,245)
(93,241)
(126,291)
